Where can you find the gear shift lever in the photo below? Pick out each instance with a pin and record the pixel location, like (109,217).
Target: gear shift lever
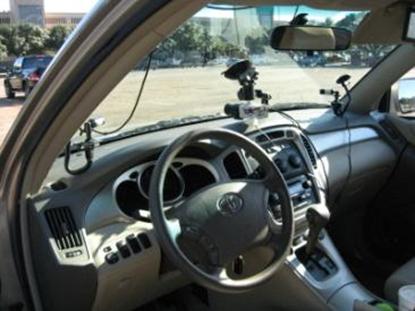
(317,217)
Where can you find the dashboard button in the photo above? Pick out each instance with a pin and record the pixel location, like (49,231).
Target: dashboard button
(111,258)
(307,184)
(145,241)
(294,160)
(191,233)
(282,165)
(133,242)
(107,249)
(124,250)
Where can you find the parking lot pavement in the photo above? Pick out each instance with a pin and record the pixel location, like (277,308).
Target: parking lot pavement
(197,91)
(9,108)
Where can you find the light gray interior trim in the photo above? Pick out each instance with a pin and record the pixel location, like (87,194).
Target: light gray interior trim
(330,287)
(367,94)
(104,209)
(332,140)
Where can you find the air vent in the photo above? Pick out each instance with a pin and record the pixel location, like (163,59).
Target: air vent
(391,130)
(310,150)
(234,166)
(63,228)
(270,135)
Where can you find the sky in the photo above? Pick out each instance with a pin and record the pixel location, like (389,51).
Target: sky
(73,6)
(281,13)
(284,13)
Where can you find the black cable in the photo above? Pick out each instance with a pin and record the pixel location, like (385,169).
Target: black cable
(290,118)
(140,92)
(88,147)
(349,99)
(296,11)
(222,8)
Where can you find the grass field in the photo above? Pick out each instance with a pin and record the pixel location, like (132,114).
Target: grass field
(178,92)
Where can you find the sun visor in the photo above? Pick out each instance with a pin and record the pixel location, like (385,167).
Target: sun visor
(382,26)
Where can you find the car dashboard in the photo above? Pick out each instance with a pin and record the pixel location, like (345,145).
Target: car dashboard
(96,228)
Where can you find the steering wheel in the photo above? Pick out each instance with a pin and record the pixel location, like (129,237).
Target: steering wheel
(208,230)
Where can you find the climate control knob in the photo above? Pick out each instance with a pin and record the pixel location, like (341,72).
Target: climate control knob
(307,184)
(282,165)
(295,160)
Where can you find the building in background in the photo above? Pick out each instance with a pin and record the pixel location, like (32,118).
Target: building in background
(66,19)
(33,11)
(27,11)
(5,17)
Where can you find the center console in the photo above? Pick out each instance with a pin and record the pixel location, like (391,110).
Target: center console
(292,153)
(324,270)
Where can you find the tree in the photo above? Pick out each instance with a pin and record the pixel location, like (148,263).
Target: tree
(328,22)
(194,37)
(350,21)
(23,39)
(57,37)
(3,49)
(256,41)
(188,37)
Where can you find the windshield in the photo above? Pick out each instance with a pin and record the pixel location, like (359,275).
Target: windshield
(36,62)
(186,69)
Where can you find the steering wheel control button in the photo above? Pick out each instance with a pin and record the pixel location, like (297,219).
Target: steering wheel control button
(144,239)
(111,258)
(123,249)
(238,265)
(191,233)
(206,243)
(213,256)
(134,244)
(230,204)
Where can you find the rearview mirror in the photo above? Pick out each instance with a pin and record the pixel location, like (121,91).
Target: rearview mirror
(406,95)
(310,38)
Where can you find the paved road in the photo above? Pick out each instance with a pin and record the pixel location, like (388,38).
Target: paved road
(9,108)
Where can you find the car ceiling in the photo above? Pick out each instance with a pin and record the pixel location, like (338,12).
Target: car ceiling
(325,4)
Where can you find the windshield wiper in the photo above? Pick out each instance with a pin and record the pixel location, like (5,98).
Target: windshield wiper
(164,124)
(297,106)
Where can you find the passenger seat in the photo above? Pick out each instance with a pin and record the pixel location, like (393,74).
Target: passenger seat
(405,275)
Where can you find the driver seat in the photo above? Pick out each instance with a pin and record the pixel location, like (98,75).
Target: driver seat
(405,275)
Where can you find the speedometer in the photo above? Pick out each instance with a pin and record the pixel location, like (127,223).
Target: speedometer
(173,184)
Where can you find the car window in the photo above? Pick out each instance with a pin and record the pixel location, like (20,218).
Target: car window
(18,64)
(36,62)
(186,81)
(29,43)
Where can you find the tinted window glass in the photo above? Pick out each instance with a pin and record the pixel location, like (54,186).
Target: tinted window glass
(36,62)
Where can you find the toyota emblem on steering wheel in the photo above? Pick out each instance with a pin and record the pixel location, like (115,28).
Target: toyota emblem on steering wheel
(230,204)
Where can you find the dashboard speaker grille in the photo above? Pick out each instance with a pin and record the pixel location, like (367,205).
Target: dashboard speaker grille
(310,150)
(63,228)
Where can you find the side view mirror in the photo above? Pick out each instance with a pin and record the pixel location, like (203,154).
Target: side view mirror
(310,38)
(409,27)
(406,95)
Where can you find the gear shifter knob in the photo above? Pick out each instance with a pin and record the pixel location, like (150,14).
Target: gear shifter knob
(317,217)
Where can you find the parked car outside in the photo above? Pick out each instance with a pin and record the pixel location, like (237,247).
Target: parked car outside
(314,60)
(25,74)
